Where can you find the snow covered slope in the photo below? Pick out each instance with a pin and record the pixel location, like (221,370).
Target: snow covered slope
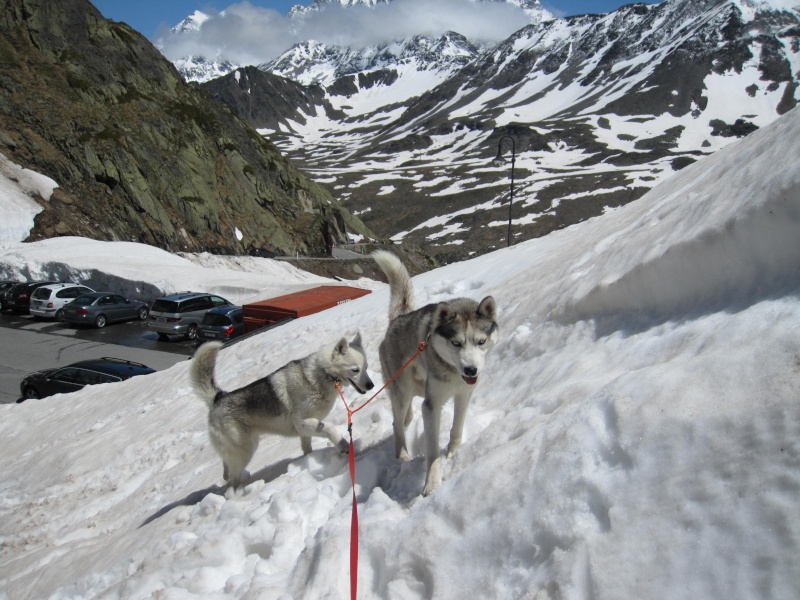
(18,188)
(637,437)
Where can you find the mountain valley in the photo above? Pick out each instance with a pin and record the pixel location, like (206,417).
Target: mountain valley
(594,109)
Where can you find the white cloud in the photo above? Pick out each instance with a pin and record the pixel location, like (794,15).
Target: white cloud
(247,34)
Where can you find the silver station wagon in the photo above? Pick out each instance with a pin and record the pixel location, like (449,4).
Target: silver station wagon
(181,314)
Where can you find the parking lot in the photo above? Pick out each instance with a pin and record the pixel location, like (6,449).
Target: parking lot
(28,345)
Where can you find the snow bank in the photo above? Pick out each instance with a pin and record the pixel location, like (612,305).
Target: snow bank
(145,272)
(637,434)
(18,187)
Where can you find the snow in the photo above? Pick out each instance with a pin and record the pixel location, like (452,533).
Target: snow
(144,272)
(18,188)
(636,433)
(411,81)
(749,8)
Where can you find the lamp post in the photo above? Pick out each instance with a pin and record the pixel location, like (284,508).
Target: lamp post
(499,160)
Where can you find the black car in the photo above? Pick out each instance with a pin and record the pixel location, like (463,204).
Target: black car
(5,287)
(18,298)
(77,375)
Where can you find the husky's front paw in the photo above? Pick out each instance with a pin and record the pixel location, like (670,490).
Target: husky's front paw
(452,447)
(433,479)
(237,483)
(429,487)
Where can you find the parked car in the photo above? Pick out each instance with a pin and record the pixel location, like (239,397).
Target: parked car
(223,323)
(262,253)
(5,287)
(102,308)
(48,301)
(18,298)
(181,314)
(77,375)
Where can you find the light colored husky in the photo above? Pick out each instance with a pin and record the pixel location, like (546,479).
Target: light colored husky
(459,333)
(292,401)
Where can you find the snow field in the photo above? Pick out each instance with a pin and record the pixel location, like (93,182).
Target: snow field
(635,433)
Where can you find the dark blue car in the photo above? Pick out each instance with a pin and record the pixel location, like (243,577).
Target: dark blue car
(223,324)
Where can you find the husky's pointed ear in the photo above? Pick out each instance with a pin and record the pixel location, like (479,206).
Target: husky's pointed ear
(488,308)
(444,313)
(341,347)
(357,341)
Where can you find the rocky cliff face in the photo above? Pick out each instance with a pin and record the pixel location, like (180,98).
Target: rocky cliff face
(245,89)
(139,154)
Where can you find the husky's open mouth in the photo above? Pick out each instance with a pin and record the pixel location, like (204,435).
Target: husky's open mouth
(470,380)
(355,385)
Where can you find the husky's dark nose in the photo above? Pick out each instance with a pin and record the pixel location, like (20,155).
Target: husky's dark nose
(370,385)
(470,371)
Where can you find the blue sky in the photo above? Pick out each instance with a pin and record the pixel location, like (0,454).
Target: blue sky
(148,16)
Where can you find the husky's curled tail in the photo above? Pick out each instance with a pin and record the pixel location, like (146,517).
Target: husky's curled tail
(401,294)
(201,372)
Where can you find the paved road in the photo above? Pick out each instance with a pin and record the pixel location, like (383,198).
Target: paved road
(28,345)
(340,252)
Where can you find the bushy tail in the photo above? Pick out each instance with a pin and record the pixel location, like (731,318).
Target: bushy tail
(401,291)
(201,372)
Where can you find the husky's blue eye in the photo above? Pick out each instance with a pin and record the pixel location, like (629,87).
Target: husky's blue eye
(355,369)
(456,343)
(481,342)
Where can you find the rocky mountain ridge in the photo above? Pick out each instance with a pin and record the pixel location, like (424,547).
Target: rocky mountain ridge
(598,108)
(314,62)
(139,154)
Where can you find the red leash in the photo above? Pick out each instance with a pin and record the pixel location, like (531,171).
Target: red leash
(352,460)
(354,517)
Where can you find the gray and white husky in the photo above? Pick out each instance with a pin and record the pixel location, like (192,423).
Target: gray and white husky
(292,401)
(459,333)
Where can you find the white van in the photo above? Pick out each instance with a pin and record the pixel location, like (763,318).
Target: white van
(48,300)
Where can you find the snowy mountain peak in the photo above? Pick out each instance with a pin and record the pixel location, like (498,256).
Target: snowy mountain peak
(317,63)
(533,8)
(317,5)
(309,24)
(200,68)
(784,5)
(191,23)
